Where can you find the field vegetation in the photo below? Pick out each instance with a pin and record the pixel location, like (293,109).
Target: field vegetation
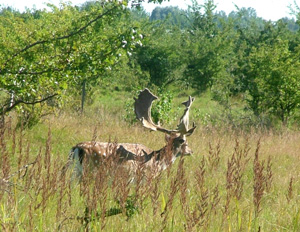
(232,182)
(69,74)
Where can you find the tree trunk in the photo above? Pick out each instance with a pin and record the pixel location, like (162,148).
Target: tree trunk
(83,93)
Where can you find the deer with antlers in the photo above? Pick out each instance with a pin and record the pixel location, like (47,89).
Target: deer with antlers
(94,154)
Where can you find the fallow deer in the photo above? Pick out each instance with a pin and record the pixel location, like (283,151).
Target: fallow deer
(132,155)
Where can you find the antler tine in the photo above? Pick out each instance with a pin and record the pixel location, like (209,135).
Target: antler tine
(183,126)
(142,108)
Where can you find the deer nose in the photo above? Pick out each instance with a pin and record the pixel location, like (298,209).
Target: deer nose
(189,151)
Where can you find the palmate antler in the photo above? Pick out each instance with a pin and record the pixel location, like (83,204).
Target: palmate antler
(142,108)
(183,126)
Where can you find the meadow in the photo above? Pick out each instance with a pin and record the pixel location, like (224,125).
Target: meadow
(234,181)
(243,70)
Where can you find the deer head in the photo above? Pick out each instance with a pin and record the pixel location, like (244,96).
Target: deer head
(176,139)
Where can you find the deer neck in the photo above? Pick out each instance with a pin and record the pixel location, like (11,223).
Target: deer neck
(162,157)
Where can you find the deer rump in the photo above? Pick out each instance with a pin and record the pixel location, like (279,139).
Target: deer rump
(95,154)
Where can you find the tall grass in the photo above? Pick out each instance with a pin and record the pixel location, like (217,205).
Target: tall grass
(233,182)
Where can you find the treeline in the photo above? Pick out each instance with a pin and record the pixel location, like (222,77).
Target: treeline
(50,57)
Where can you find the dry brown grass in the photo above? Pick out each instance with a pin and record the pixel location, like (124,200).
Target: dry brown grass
(233,182)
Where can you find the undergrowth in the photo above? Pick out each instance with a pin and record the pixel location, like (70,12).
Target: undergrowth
(233,182)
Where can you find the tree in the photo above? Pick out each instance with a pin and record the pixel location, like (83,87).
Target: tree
(160,54)
(45,53)
(172,15)
(208,46)
(275,87)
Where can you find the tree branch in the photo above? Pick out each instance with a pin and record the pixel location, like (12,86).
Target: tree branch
(57,38)
(37,72)
(11,107)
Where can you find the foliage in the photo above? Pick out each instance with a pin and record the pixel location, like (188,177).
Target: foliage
(50,59)
(171,15)
(60,49)
(275,85)
(160,112)
(208,46)
(161,57)
(162,109)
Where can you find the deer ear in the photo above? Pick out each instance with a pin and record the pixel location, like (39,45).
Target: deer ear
(191,131)
(170,136)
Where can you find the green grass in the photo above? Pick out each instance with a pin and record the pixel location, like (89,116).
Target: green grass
(41,200)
